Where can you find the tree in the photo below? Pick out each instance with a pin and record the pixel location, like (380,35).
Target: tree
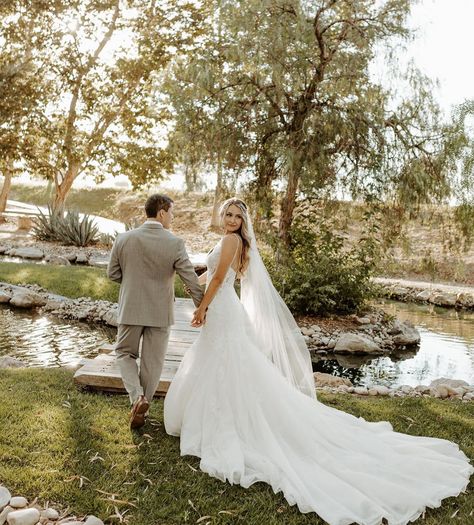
(293,78)
(23,33)
(103,116)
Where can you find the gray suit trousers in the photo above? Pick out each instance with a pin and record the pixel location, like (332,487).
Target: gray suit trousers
(141,380)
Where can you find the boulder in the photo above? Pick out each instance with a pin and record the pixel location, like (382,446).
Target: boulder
(4,514)
(361,390)
(4,297)
(465,300)
(323,379)
(57,260)
(407,334)
(424,295)
(23,517)
(18,502)
(3,249)
(27,299)
(451,383)
(10,362)
(71,257)
(81,258)
(382,390)
(443,299)
(110,317)
(93,520)
(5,495)
(355,343)
(27,253)
(50,514)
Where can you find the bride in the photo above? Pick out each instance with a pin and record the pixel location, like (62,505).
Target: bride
(243,400)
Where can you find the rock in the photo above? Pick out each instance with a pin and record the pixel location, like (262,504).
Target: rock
(355,343)
(443,298)
(7,361)
(315,328)
(93,520)
(452,383)
(57,260)
(373,392)
(400,291)
(440,391)
(469,396)
(99,262)
(362,320)
(323,379)
(424,295)
(81,258)
(5,512)
(423,389)
(5,495)
(408,335)
(382,390)
(50,514)
(110,317)
(3,249)
(27,299)
(23,517)
(306,331)
(465,300)
(71,257)
(406,389)
(4,297)
(27,253)
(361,390)
(18,502)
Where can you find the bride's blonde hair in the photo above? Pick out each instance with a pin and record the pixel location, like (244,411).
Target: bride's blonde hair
(243,231)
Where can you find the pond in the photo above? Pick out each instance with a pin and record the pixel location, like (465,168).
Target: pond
(446,350)
(41,340)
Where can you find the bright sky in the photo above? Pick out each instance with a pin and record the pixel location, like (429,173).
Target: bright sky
(444,47)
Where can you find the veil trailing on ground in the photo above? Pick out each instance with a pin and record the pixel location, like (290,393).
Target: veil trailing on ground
(278,335)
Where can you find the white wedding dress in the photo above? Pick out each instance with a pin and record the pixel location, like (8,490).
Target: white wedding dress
(232,408)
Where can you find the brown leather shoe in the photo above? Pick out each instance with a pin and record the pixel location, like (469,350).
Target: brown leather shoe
(139,409)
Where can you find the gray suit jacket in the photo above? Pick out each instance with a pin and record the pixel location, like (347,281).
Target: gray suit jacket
(144,262)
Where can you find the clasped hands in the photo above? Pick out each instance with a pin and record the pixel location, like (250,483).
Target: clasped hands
(199,315)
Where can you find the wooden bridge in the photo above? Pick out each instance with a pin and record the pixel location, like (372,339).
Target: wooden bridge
(102,373)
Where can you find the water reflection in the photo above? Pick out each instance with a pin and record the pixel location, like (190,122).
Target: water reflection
(446,350)
(47,341)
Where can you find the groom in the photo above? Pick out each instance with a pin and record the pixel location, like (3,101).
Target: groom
(144,262)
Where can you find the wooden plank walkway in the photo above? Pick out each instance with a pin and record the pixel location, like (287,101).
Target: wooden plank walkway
(102,373)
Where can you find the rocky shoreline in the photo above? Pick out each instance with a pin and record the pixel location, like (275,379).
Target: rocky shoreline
(447,296)
(361,338)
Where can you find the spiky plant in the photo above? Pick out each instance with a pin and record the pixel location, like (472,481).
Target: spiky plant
(46,226)
(77,231)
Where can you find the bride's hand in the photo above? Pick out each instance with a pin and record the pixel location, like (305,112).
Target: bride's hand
(199,318)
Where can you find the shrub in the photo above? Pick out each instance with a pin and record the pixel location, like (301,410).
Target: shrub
(46,226)
(322,274)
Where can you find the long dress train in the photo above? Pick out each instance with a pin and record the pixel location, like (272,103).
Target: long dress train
(233,409)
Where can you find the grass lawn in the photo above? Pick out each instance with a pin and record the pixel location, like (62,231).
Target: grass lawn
(70,281)
(97,201)
(75,449)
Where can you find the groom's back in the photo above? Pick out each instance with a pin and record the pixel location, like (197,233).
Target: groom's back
(145,258)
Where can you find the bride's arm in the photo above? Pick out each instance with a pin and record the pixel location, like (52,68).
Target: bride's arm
(230,245)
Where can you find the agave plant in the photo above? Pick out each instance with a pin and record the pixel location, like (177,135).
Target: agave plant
(46,226)
(77,231)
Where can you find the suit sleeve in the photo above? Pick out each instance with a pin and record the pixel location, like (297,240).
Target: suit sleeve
(185,270)
(114,270)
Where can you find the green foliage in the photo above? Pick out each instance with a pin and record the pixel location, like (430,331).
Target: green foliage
(66,228)
(321,274)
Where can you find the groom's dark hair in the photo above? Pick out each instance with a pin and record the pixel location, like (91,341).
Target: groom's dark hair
(157,202)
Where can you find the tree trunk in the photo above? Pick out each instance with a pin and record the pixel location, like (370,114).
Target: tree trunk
(215,221)
(62,189)
(8,174)
(288,206)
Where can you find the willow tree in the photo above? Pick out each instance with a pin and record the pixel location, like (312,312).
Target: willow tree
(294,77)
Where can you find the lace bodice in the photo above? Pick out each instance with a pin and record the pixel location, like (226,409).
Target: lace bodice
(212,260)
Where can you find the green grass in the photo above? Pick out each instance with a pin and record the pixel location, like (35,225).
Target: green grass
(53,436)
(69,281)
(97,201)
